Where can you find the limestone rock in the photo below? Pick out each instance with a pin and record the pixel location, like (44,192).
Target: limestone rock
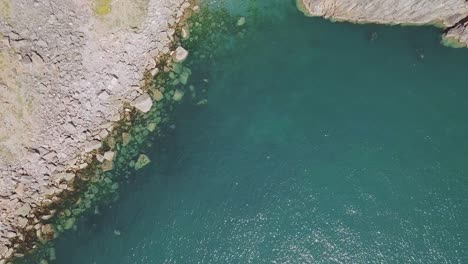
(64,176)
(180,54)
(143,103)
(23,210)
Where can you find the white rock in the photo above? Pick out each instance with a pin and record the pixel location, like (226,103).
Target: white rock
(93,145)
(109,155)
(100,158)
(103,134)
(180,54)
(154,71)
(143,103)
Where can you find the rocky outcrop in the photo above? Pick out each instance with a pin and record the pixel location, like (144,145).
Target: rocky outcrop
(449,14)
(66,69)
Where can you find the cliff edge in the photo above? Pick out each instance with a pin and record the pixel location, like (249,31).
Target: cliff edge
(449,14)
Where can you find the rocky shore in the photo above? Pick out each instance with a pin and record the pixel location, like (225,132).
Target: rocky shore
(67,69)
(452,15)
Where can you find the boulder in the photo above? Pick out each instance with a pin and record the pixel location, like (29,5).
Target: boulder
(48,231)
(93,145)
(143,103)
(64,176)
(69,223)
(142,161)
(180,54)
(22,222)
(108,165)
(109,155)
(184,76)
(178,95)
(158,95)
(24,210)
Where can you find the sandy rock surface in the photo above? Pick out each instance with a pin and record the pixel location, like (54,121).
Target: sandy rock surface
(66,68)
(450,14)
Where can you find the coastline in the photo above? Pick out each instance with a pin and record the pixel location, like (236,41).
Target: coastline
(449,15)
(90,166)
(32,217)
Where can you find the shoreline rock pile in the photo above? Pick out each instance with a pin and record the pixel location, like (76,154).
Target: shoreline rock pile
(67,68)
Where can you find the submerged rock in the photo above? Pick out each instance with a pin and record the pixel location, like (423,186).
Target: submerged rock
(69,223)
(158,95)
(151,127)
(178,95)
(142,161)
(184,76)
(125,138)
(241,21)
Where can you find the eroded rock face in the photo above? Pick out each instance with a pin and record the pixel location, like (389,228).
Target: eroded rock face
(66,68)
(444,13)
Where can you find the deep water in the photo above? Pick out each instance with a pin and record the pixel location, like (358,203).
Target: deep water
(321,143)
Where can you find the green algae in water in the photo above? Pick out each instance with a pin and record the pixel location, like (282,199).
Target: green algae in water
(320,143)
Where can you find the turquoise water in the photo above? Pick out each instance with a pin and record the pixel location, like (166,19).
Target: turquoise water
(320,143)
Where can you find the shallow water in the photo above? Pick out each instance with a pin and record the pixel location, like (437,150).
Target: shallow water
(319,144)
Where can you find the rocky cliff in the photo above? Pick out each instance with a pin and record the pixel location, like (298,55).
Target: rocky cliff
(66,69)
(449,14)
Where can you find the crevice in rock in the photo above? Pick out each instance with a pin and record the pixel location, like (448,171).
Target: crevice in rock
(462,22)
